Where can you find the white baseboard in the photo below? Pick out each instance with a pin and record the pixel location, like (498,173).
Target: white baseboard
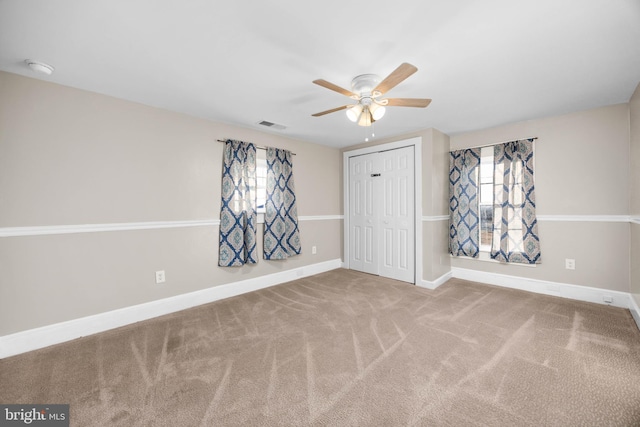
(635,310)
(564,290)
(433,285)
(45,336)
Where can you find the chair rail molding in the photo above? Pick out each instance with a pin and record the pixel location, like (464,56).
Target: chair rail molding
(126,226)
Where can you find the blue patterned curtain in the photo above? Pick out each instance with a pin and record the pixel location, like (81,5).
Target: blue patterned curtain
(515,227)
(464,231)
(281,234)
(238,207)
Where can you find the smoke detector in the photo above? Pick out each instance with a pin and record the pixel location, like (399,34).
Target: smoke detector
(39,67)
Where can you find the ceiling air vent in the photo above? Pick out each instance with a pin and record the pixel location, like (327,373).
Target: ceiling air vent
(272,125)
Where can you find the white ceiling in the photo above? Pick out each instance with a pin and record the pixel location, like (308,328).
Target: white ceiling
(484,63)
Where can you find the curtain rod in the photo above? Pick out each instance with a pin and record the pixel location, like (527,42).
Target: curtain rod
(495,143)
(257,146)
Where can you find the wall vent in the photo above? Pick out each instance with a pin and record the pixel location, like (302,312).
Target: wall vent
(272,125)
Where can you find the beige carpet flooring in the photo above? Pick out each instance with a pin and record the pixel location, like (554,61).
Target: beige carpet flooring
(349,349)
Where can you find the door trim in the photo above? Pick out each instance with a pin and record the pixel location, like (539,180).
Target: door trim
(416,142)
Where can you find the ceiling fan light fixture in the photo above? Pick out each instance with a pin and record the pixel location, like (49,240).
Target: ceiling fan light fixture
(365,118)
(354,112)
(377,111)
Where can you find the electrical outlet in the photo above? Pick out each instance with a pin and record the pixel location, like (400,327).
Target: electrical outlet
(570,264)
(313,250)
(160,277)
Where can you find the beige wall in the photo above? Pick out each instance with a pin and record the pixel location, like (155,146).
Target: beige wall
(73,157)
(582,168)
(634,115)
(435,203)
(436,174)
(70,157)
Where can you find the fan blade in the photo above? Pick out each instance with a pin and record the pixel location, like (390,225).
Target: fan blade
(335,88)
(408,102)
(333,110)
(397,76)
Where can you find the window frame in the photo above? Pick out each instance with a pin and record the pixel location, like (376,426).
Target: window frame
(486,180)
(261,184)
(261,181)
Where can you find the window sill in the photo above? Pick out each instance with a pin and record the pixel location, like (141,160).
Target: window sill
(485,257)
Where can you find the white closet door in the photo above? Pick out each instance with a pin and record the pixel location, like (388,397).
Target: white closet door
(397,236)
(363,216)
(381,214)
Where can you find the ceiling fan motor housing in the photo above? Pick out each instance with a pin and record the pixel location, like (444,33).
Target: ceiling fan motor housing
(364,84)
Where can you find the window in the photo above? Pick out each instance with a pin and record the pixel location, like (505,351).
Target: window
(261,178)
(504,202)
(486,198)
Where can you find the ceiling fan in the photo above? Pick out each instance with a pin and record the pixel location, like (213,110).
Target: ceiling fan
(367,90)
